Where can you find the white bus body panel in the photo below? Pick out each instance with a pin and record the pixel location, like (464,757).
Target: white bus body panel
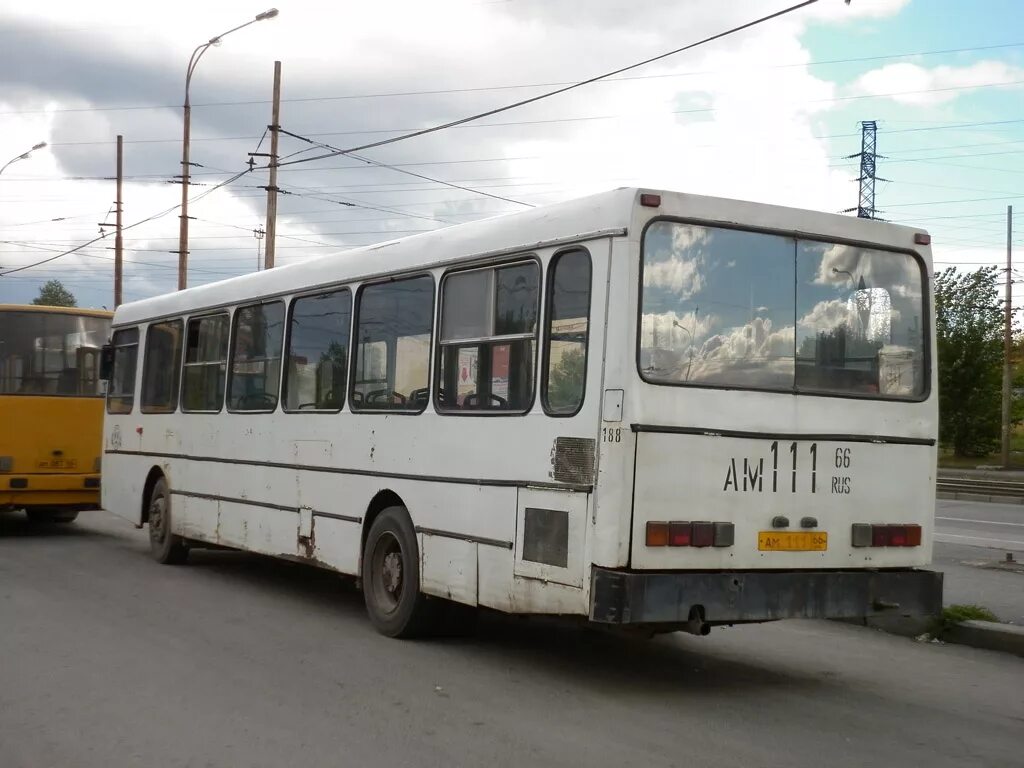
(299,485)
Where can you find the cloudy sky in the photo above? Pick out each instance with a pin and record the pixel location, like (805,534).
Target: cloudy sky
(770,114)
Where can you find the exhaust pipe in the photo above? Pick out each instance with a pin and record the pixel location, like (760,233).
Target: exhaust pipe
(696,625)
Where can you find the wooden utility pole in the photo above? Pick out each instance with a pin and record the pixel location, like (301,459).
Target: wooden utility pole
(1008,339)
(275,127)
(118,242)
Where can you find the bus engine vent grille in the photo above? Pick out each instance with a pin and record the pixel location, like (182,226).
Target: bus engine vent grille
(572,460)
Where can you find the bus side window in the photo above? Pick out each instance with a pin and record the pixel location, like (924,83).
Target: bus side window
(206,355)
(568,332)
(121,389)
(488,338)
(317,359)
(392,354)
(256,357)
(161,367)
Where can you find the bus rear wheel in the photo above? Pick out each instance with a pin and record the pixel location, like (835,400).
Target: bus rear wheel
(391,577)
(51,515)
(165,547)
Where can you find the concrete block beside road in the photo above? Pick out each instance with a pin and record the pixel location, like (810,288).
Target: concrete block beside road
(990,635)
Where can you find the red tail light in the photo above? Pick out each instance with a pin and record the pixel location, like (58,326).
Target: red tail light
(913,536)
(886,535)
(680,534)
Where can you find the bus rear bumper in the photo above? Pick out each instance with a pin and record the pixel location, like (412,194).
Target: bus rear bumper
(45,491)
(721,597)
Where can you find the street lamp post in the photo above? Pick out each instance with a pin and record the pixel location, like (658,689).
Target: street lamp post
(23,155)
(192,62)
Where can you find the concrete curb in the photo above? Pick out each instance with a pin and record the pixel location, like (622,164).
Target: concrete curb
(990,635)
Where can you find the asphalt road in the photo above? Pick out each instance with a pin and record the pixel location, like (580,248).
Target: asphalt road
(108,659)
(981,524)
(971,543)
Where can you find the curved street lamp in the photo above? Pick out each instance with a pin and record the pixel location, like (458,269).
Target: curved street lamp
(197,54)
(22,156)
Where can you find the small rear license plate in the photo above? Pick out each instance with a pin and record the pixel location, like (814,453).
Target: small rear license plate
(792,541)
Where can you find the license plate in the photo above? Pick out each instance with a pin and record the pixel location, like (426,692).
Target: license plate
(792,541)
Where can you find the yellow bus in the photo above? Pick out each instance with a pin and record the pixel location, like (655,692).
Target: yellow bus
(51,409)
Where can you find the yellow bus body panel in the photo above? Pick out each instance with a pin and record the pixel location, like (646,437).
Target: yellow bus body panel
(54,445)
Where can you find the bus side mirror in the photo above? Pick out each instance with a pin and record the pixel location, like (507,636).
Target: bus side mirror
(106,362)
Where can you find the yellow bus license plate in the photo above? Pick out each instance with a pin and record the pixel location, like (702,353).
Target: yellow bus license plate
(787,541)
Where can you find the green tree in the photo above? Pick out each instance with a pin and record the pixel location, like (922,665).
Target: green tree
(54,294)
(565,384)
(969,318)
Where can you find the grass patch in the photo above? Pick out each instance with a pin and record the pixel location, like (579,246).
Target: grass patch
(957,614)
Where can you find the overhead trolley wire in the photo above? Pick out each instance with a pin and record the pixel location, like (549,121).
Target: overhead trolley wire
(380,164)
(564,89)
(161,214)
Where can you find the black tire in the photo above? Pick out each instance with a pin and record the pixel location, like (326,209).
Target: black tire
(165,547)
(391,577)
(51,515)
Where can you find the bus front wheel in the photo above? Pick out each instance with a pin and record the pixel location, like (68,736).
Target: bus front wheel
(165,547)
(391,576)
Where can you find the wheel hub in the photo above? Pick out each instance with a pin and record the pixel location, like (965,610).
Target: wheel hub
(156,519)
(391,572)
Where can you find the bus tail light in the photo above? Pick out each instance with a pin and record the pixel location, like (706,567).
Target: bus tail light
(703,534)
(679,533)
(657,534)
(865,535)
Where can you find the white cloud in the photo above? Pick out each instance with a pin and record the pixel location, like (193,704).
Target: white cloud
(699,126)
(919,86)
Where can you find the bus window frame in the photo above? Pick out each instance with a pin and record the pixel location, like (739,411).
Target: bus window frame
(286,353)
(797,235)
(354,352)
(150,410)
(548,302)
(285,301)
(136,379)
(184,360)
(503,261)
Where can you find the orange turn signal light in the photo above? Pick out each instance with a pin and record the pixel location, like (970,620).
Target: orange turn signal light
(657,534)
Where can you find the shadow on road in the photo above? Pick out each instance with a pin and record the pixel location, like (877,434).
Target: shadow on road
(568,650)
(16,524)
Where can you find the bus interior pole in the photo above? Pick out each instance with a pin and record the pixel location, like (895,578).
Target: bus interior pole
(275,126)
(118,242)
(1008,338)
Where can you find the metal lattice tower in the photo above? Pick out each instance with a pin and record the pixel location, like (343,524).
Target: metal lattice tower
(868,162)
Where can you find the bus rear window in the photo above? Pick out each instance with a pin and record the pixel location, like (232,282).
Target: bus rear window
(51,353)
(737,309)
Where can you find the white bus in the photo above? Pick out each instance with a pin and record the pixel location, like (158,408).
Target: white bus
(644,408)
